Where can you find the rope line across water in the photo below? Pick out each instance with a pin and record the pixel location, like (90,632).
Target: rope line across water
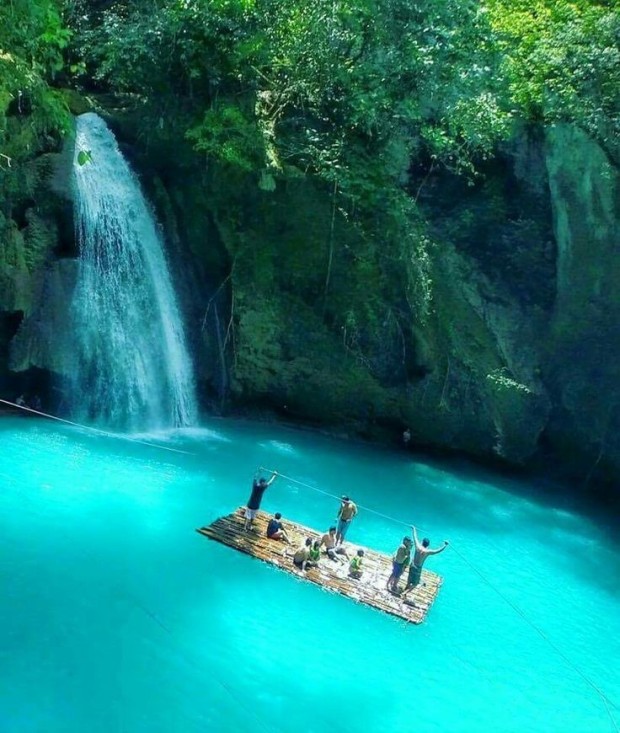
(339,498)
(606,701)
(96,430)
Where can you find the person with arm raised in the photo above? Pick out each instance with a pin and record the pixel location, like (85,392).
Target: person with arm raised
(259,486)
(422,551)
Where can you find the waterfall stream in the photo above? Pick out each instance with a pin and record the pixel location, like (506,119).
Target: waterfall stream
(131,368)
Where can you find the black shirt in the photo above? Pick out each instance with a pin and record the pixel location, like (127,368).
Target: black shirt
(257,494)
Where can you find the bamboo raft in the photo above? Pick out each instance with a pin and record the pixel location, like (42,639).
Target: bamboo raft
(332,576)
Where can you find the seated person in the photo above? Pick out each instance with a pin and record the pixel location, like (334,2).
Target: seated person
(315,554)
(275,529)
(355,566)
(302,554)
(331,550)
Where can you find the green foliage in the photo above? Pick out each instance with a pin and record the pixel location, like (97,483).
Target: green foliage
(32,42)
(561,61)
(330,83)
(350,92)
(225,132)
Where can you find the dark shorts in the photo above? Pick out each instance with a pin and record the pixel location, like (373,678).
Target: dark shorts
(414,575)
(397,569)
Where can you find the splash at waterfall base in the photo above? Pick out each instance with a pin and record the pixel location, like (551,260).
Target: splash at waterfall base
(332,576)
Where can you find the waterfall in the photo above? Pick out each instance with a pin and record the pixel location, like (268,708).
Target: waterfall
(131,368)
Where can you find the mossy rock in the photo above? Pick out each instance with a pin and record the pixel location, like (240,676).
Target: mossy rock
(77,102)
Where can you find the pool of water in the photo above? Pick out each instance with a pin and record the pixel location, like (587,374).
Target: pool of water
(116,616)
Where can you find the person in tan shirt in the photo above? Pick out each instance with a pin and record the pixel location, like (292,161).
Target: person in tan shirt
(347,511)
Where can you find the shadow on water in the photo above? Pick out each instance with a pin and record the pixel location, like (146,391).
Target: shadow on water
(541,490)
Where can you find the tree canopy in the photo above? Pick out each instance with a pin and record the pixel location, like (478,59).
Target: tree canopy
(346,90)
(33,39)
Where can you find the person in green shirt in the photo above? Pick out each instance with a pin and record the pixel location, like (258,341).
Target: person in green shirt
(355,566)
(400,560)
(314,554)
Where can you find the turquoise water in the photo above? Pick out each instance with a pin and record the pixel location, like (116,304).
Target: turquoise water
(116,616)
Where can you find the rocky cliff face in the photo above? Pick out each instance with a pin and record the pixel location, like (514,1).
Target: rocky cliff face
(494,335)
(489,339)
(36,235)
(582,355)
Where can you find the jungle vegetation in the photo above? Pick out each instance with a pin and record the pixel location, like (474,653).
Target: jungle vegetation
(346,90)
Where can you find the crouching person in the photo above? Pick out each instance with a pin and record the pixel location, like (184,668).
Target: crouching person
(275,529)
(301,558)
(356,565)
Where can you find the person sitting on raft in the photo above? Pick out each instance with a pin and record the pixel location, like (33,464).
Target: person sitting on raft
(301,558)
(275,529)
(422,551)
(355,566)
(315,554)
(331,550)
(400,560)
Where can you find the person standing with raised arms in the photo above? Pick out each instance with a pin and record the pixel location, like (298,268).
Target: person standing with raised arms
(258,489)
(422,551)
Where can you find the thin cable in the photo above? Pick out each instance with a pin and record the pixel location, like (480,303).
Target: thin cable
(339,498)
(182,648)
(186,653)
(97,430)
(606,701)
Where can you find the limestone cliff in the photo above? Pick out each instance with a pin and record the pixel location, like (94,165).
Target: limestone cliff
(582,355)
(490,338)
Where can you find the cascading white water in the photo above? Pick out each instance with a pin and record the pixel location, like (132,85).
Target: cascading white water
(131,368)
